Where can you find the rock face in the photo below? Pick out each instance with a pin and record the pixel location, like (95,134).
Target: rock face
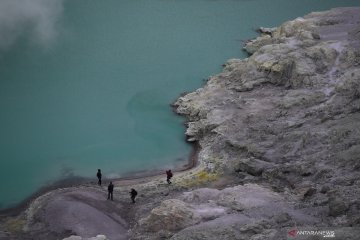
(171,215)
(288,115)
(98,237)
(232,213)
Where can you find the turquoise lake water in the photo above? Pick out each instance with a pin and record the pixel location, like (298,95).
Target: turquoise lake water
(99,96)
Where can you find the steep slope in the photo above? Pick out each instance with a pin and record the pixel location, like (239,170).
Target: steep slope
(289,115)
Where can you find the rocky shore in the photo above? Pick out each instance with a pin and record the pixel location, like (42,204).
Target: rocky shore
(279,137)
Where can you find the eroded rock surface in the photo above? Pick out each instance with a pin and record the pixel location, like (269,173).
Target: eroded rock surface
(289,115)
(98,237)
(232,213)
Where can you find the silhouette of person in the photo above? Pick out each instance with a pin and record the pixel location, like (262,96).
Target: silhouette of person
(168,176)
(99,175)
(133,194)
(110,191)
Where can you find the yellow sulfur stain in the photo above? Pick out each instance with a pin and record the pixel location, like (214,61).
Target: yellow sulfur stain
(198,178)
(14,225)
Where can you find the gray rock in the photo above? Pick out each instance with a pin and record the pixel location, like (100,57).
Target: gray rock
(325,189)
(252,166)
(73,237)
(293,111)
(337,206)
(309,192)
(171,215)
(98,237)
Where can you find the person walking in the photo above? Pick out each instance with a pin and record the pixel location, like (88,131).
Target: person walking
(99,175)
(110,191)
(169,175)
(133,194)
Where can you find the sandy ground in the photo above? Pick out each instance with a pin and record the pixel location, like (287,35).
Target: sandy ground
(86,212)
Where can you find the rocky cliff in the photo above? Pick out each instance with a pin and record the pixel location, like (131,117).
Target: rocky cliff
(288,115)
(279,134)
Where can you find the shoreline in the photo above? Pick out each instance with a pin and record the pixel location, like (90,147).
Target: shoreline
(76,181)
